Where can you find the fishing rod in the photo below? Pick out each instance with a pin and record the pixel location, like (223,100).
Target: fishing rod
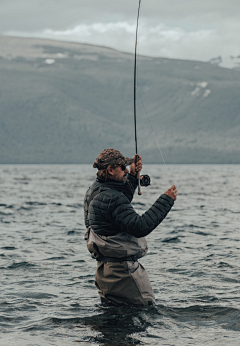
(135,110)
(142,180)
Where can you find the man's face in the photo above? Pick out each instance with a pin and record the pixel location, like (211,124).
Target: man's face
(118,174)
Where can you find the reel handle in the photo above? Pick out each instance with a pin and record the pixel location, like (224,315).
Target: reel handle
(138,175)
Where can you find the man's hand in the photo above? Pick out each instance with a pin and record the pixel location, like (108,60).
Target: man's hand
(172,192)
(135,168)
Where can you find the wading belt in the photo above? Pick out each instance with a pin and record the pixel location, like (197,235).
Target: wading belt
(114,259)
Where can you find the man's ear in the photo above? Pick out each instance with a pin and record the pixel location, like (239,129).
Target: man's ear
(110,170)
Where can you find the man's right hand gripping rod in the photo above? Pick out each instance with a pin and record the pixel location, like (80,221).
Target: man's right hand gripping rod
(137,158)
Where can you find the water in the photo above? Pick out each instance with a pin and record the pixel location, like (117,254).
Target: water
(47,276)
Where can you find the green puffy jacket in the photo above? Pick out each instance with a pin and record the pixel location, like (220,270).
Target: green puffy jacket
(108,209)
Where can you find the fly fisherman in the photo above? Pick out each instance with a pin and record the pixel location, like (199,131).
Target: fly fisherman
(115,232)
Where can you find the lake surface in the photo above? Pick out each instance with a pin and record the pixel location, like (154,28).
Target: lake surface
(47,287)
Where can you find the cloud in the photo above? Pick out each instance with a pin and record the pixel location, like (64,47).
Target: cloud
(90,30)
(159,40)
(190,29)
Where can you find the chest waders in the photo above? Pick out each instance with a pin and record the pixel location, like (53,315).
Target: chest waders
(120,278)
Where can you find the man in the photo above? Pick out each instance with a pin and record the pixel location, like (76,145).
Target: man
(115,232)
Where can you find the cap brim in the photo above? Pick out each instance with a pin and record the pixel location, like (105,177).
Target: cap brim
(128,161)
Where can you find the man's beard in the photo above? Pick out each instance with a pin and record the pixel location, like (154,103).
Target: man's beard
(122,179)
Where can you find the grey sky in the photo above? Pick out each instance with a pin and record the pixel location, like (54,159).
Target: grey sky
(189,29)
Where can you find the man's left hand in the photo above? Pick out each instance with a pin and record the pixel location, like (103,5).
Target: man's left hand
(136,167)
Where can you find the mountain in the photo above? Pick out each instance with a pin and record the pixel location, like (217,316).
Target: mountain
(63,102)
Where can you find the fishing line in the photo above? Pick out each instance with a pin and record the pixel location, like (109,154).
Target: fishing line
(152,129)
(130,186)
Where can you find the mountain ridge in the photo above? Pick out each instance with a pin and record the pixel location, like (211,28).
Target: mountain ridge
(64,105)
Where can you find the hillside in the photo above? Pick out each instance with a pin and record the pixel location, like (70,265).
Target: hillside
(64,102)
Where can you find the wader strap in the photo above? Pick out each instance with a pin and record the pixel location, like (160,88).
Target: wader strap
(114,259)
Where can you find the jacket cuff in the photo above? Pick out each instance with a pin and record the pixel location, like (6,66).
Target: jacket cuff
(168,199)
(132,179)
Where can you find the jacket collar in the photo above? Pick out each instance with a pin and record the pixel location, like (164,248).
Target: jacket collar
(112,184)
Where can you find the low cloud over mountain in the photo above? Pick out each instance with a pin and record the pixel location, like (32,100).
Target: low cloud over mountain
(64,102)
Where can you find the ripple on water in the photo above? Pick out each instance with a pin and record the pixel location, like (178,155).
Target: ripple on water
(21,265)
(47,276)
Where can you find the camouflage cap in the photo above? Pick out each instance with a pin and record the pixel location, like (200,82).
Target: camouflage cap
(111,157)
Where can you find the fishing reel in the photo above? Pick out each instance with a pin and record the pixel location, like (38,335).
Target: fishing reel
(145,180)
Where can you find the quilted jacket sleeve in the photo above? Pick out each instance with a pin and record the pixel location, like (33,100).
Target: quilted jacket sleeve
(125,217)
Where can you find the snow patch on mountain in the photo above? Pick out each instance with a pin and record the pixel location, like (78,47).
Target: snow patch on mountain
(195,92)
(226,61)
(202,84)
(207,92)
(199,86)
(50,61)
